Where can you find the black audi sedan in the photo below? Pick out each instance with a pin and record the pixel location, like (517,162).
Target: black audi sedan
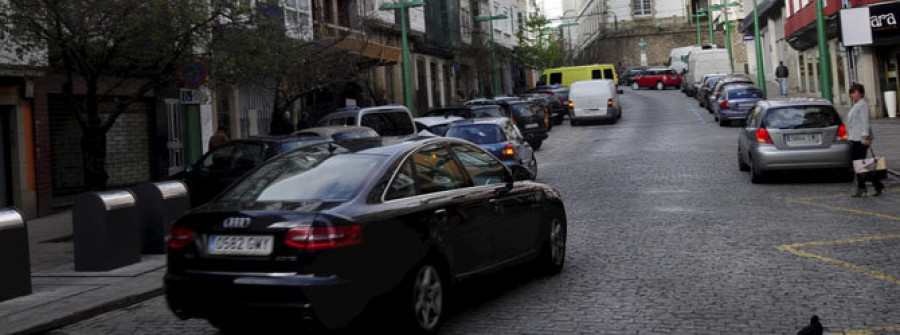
(327,236)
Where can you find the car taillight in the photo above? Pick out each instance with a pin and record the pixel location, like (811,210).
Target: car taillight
(841,133)
(609,103)
(762,136)
(508,153)
(571,104)
(724,104)
(547,118)
(179,237)
(320,238)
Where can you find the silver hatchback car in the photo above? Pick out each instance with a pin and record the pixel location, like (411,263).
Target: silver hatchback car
(793,135)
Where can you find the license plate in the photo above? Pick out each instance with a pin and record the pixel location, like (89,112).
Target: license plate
(803,138)
(531,125)
(242,245)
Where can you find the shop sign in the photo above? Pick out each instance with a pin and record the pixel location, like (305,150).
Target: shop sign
(871,25)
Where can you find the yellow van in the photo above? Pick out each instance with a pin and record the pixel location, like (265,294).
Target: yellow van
(567,75)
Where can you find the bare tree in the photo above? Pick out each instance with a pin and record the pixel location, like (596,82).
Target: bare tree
(110,45)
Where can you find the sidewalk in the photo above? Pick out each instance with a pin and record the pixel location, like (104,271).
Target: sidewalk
(62,296)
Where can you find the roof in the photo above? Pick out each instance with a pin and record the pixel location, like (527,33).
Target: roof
(795,102)
(430,121)
(406,146)
(485,120)
(273,139)
(328,131)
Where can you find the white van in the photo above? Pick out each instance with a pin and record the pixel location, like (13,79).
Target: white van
(594,100)
(701,63)
(678,58)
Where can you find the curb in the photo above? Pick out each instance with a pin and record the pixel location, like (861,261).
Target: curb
(82,315)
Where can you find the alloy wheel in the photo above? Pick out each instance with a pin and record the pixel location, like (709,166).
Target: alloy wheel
(557,242)
(635,86)
(428,295)
(660,86)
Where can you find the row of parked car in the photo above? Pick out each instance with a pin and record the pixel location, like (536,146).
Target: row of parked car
(371,211)
(777,136)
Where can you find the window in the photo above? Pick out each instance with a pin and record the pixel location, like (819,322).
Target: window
(219,159)
(403,184)
(481,166)
(596,74)
(239,156)
(608,74)
(478,133)
(802,117)
(247,157)
(389,124)
(643,7)
(555,79)
(436,171)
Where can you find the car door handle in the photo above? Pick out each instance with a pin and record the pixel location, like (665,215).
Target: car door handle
(441,215)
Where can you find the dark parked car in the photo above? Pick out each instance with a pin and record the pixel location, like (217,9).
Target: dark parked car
(321,236)
(501,138)
(558,110)
(350,137)
(530,117)
(735,103)
(726,81)
(562,94)
(629,73)
(468,111)
(706,85)
(222,166)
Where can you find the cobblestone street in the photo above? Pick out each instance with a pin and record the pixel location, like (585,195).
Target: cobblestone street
(666,235)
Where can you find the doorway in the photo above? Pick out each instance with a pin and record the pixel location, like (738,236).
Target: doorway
(5,156)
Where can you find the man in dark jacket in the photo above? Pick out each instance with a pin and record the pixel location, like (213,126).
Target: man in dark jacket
(782,74)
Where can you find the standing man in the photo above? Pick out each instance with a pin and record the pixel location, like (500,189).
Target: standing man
(782,74)
(218,139)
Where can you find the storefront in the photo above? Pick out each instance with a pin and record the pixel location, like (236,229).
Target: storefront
(876,49)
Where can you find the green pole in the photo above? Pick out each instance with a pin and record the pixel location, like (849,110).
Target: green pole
(712,36)
(728,40)
(407,88)
(494,69)
(571,56)
(697,23)
(760,67)
(824,56)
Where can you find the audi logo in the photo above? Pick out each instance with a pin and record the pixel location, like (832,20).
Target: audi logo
(236,223)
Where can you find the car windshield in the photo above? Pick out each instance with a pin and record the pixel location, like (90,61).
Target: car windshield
(489,112)
(477,133)
(797,117)
(713,81)
(303,175)
(745,93)
(520,110)
(354,134)
(563,94)
(307,140)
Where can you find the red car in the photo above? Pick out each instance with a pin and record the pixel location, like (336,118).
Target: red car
(660,78)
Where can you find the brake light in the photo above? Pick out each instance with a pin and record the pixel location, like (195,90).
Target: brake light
(508,153)
(609,103)
(321,238)
(547,118)
(179,237)
(841,133)
(571,104)
(762,136)
(724,104)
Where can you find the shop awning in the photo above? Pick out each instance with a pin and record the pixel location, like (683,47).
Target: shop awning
(370,49)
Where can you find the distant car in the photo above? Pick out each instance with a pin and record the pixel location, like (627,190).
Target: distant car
(562,94)
(393,123)
(595,100)
(222,166)
(706,85)
(317,237)
(501,138)
(468,111)
(350,137)
(735,103)
(529,116)
(793,135)
(724,82)
(659,78)
(546,101)
(436,125)
(702,62)
(629,73)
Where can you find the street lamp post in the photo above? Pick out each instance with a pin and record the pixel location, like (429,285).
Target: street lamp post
(760,67)
(402,6)
(697,24)
(824,56)
(643,45)
(494,69)
(568,27)
(724,9)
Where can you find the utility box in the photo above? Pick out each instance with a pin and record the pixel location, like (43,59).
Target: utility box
(15,260)
(107,230)
(159,205)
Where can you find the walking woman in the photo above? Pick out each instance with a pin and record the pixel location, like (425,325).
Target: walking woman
(860,138)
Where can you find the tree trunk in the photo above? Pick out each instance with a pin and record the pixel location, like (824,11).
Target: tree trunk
(93,153)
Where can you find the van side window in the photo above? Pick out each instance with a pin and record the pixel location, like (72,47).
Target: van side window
(555,78)
(388,124)
(608,74)
(596,74)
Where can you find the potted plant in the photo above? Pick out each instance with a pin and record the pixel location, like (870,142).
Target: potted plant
(890,98)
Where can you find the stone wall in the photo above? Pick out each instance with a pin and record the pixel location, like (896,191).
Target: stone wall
(622,48)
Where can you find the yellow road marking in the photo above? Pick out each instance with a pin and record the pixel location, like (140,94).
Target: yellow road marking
(870,331)
(845,209)
(793,248)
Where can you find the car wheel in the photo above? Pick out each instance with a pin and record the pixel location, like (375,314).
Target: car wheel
(723,123)
(741,165)
(533,167)
(716,116)
(537,144)
(756,175)
(635,86)
(553,254)
(660,86)
(558,120)
(573,122)
(425,290)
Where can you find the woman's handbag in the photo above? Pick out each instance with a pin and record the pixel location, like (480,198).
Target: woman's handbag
(875,166)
